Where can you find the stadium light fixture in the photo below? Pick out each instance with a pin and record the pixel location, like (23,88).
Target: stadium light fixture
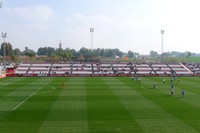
(91,31)
(162,33)
(0,4)
(4,36)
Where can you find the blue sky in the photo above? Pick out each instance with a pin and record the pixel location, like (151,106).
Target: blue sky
(125,24)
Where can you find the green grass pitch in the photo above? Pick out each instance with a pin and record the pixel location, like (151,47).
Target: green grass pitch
(99,105)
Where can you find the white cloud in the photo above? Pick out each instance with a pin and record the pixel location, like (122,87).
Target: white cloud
(132,23)
(95,19)
(104,21)
(35,26)
(37,13)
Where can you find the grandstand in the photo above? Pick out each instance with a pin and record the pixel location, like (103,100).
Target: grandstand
(195,68)
(105,69)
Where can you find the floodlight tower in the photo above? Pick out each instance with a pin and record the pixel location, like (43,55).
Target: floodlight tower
(4,35)
(91,31)
(162,33)
(0,4)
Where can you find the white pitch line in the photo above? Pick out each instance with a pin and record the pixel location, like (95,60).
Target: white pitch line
(53,88)
(30,96)
(5,109)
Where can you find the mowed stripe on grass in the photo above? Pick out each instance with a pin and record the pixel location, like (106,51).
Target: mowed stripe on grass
(106,114)
(69,112)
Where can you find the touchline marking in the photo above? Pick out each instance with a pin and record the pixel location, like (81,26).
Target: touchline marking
(30,96)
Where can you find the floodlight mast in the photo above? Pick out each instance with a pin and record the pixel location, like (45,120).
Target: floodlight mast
(4,36)
(0,4)
(162,33)
(91,31)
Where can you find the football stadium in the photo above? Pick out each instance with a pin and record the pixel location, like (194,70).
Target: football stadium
(89,84)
